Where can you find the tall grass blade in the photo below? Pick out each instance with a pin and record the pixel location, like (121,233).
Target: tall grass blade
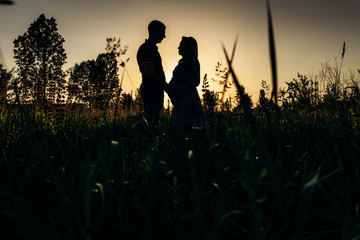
(245,101)
(272,53)
(215,230)
(343,51)
(131,81)
(342,59)
(305,203)
(231,59)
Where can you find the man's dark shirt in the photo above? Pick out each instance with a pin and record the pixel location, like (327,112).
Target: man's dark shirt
(148,52)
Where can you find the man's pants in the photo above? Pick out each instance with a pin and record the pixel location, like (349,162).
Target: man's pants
(153,100)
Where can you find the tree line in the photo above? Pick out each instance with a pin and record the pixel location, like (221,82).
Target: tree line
(39,79)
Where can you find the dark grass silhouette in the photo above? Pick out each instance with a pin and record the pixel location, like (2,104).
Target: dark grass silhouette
(6,2)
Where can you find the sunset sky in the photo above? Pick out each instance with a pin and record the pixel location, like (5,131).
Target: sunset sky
(307,32)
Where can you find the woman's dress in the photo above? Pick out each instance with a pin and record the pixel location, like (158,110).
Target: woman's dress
(187,110)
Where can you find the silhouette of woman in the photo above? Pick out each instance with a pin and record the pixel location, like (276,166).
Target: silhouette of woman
(187,111)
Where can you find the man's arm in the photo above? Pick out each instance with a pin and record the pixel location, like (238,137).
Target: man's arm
(152,76)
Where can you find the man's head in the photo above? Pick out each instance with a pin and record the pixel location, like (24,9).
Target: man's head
(156,31)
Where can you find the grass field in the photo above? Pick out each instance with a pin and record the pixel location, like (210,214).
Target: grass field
(285,175)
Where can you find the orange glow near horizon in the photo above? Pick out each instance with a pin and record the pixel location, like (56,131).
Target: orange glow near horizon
(306,33)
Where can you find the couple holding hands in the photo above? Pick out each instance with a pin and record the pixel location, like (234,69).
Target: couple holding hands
(187,111)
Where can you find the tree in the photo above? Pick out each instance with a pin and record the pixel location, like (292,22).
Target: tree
(126,102)
(3,83)
(79,82)
(113,45)
(106,79)
(39,55)
(8,85)
(95,82)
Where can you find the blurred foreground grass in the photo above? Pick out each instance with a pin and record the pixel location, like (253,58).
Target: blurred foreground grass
(290,176)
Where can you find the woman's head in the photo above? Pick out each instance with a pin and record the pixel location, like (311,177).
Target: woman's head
(188,47)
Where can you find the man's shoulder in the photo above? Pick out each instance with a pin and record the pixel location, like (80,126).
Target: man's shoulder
(145,48)
(142,46)
(147,45)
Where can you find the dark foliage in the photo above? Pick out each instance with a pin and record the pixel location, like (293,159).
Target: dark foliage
(39,55)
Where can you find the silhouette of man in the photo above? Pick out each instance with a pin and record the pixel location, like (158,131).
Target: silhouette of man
(153,77)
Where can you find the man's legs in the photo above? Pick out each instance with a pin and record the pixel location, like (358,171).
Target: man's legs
(153,103)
